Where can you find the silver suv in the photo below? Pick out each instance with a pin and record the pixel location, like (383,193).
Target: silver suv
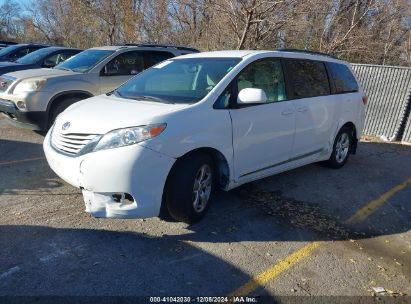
(33,98)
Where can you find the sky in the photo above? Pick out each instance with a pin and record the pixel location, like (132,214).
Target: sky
(22,2)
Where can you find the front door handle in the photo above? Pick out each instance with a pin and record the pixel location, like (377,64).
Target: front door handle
(287,112)
(302,109)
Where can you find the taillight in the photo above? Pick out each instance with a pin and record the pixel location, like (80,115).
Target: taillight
(365,100)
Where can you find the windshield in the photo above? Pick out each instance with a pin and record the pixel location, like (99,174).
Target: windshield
(35,56)
(84,61)
(8,50)
(178,81)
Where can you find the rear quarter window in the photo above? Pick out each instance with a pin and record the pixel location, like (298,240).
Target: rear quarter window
(344,80)
(307,78)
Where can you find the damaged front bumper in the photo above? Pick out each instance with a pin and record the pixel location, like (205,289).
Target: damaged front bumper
(124,182)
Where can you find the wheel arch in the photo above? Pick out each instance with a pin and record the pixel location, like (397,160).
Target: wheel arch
(63,95)
(67,94)
(351,125)
(221,164)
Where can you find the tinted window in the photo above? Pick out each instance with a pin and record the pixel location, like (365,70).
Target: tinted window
(344,80)
(185,80)
(34,48)
(128,63)
(35,56)
(8,50)
(134,62)
(152,58)
(307,78)
(19,53)
(266,75)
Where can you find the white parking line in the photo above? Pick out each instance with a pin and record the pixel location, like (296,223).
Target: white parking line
(59,253)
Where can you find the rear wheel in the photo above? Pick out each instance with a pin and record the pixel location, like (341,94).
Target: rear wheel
(190,188)
(341,148)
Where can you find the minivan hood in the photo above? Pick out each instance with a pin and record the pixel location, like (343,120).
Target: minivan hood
(45,73)
(101,114)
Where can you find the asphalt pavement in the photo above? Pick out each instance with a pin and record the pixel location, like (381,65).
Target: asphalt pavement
(313,231)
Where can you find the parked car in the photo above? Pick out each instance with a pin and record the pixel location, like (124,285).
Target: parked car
(16,51)
(165,140)
(43,58)
(34,98)
(4,43)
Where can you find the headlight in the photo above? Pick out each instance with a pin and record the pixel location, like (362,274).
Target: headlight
(29,85)
(129,136)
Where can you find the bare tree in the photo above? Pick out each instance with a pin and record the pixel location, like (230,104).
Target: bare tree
(374,31)
(9,19)
(253,22)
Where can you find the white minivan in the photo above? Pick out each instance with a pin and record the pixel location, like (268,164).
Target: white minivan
(164,141)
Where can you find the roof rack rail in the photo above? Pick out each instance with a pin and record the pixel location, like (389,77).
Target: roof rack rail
(179,47)
(307,52)
(7,42)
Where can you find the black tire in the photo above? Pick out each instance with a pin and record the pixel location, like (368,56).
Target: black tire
(59,107)
(180,195)
(336,159)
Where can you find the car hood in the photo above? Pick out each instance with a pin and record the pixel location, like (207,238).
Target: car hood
(45,73)
(101,114)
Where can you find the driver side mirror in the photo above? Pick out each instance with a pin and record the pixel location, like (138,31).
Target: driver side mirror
(251,96)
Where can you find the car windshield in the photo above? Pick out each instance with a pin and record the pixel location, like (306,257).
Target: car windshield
(8,50)
(178,81)
(84,61)
(35,56)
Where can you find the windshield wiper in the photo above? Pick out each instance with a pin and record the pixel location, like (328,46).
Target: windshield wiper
(65,69)
(152,98)
(115,93)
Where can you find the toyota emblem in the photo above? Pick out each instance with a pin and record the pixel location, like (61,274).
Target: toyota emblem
(66,125)
(3,84)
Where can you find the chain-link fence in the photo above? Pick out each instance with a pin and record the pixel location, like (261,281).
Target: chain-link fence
(388,89)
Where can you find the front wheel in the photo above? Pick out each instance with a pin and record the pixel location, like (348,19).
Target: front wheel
(58,108)
(190,188)
(341,148)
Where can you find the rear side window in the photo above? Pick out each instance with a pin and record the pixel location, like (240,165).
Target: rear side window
(127,63)
(134,62)
(344,80)
(307,78)
(34,48)
(152,58)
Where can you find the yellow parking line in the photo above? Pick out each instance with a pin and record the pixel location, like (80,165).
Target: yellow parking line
(20,161)
(275,270)
(372,206)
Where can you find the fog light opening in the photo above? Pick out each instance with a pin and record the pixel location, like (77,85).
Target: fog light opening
(21,105)
(123,198)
